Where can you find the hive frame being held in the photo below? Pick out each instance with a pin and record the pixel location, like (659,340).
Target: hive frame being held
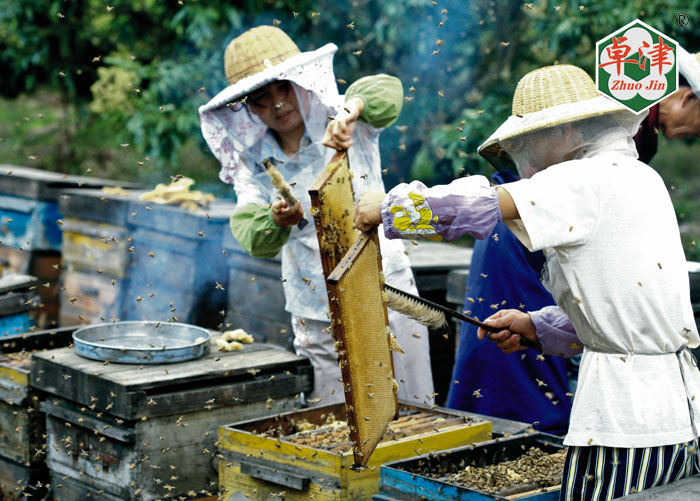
(361,328)
(332,205)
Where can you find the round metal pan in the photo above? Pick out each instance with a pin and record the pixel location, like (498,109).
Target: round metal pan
(142,342)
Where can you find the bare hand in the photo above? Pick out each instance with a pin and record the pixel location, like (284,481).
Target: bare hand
(368,210)
(339,131)
(284,216)
(514,324)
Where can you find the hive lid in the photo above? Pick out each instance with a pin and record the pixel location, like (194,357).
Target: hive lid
(39,184)
(361,329)
(133,391)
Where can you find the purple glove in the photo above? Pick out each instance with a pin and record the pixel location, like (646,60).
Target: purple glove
(443,212)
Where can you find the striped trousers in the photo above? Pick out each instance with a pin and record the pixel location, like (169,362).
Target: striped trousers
(600,473)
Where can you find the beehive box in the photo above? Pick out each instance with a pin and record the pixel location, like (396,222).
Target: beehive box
(30,234)
(132,260)
(177,256)
(256,295)
(429,476)
(127,432)
(22,464)
(95,258)
(18,296)
(258,464)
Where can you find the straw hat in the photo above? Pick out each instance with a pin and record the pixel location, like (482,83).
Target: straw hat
(544,98)
(255,50)
(259,56)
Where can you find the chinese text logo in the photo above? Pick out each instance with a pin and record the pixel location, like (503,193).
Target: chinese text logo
(636,66)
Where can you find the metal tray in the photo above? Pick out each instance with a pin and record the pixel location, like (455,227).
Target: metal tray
(141,342)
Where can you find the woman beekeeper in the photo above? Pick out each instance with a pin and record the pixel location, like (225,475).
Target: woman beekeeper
(615,267)
(277,106)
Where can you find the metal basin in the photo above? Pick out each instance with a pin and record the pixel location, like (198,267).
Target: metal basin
(142,342)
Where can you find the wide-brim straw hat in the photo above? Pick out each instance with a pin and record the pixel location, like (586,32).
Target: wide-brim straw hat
(545,98)
(259,56)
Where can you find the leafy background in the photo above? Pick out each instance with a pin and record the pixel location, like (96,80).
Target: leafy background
(111,88)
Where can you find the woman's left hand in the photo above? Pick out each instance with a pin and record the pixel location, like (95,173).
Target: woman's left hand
(368,210)
(339,132)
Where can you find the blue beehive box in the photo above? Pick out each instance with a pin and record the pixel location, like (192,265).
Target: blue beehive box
(132,260)
(177,266)
(18,295)
(29,205)
(30,233)
(414,478)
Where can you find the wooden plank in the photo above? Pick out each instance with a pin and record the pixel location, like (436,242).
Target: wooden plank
(37,340)
(106,426)
(10,282)
(221,395)
(230,364)
(78,386)
(275,475)
(125,390)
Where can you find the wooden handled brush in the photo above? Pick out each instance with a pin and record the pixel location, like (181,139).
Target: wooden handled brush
(282,188)
(435,315)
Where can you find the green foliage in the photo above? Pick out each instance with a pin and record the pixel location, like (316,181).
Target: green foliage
(136,73)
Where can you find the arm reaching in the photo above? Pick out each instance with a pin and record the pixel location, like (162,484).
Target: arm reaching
(443,212)
(550,326)
(375,100)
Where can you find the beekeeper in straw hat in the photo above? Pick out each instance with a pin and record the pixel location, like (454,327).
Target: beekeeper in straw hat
(277,105)
(615,267)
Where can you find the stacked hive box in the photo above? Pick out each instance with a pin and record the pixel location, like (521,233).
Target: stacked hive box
(22,425)
(126,432)
(267,457)
(18,297)
(31,237)
(133,260)
(430,476)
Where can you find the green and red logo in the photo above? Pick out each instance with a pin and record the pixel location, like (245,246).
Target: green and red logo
(636,66)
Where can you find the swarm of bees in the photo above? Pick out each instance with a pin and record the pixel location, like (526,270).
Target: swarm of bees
(535,468)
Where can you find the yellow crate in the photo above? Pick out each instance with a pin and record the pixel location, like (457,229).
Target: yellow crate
(254,466)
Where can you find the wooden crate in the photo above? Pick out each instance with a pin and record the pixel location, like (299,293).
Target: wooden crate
(258,466)
(22,425)
(411,479)
(30,230)
(178,257)
(143,432)
(167,262)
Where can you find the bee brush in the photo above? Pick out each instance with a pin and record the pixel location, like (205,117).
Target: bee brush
(283,188)
(435,315)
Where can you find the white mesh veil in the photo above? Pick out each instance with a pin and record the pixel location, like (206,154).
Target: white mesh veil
(534,151)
